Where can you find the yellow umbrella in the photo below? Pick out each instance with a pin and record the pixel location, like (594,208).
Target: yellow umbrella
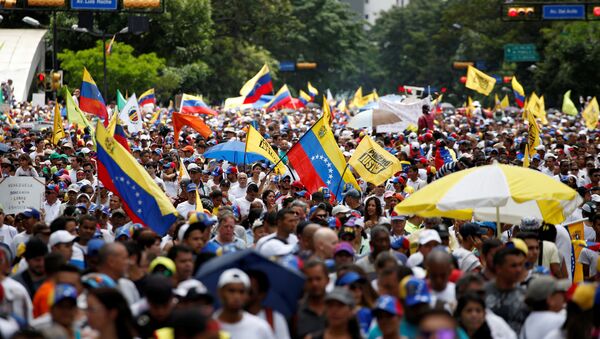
(495,192)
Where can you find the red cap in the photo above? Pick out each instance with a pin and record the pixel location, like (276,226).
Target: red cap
(298,184)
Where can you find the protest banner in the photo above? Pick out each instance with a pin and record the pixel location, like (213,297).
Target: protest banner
(21,193)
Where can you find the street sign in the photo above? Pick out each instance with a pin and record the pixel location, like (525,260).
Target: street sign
(94,4)
(287,66)
(520,53)
(563,12)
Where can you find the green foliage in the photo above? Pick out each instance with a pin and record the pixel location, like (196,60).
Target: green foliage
(125,71)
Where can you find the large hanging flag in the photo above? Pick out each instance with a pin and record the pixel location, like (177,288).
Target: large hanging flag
(373,163)
(282,97)
(313,92)
(590,114)
(90,99)
(74,114)
(147,98)
(319,162)
(58,132)
(533,138)
(305,98)
(142,199)
(131,115)
(479,81)
(121,101)
(194,121)
(518,91)
(255,143)
(568,106)
(259,85)
(194,104)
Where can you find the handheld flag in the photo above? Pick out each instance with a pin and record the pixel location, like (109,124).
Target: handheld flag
(313,92)
(194,121)
(479,81)
(110,45)
(504,103)
(194,104)
(115,129)
(58,132)
(304,97)
(518,91)
(74,114)
(319,162)
(90,99)
(255,143)
(282,97)
(147,98)
(120,100)
(357,99)
(568,106)
(327,114)
(199,207)
(259,85)
(141,197)
(131,115)
(590,114)
(373,163)
(533,138)
(576,232)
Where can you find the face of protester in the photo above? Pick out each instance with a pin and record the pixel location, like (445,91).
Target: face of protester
(195,240)
(51,196)
(258,233)
(533,247)
(472,316)
(65,249)
(98,317)
(286,183)
(425,249)
(316,282)
(120,261)
(36,266)
(233,296)
(371,207)
(512,268)
(226,228)
(87,230)
(242,179)
(288,223)
(412,174)
(64,312)
(438,275)
(387,284)
(343,258)
(398,226)
(114,202)
(379,190)
(388,323)
(300,211)
(337,313)
(352,202)
(380,242)
(184,265)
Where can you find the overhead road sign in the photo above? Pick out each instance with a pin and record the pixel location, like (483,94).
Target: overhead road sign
(563,12)
(520,53)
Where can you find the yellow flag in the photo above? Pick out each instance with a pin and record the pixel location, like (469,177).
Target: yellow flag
(199,207)
(479,81)
(183,173)
(327,111)
(577,234)
(373,163)
(568,106)
(504,103)
(58,132)
(469,106)
(357,99)
(533,138)
(590,114)
(255,143)
(112,124)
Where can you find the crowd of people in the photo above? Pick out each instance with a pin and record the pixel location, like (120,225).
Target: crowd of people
(78,267)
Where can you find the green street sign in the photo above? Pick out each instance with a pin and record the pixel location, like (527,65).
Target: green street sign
(520,53)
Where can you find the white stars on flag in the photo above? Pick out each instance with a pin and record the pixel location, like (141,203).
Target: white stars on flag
(327,162)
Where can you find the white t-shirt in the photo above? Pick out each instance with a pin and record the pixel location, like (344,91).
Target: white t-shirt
(447,297)
(51,211)
(417,184)
(16,300)
(249,327)
(237,192)
(7,234)
(129,291)
(291,240)
(184,208)
(563,243)
(539,323)
(280,327)
(244,205)
(415,259)
(590,258)
(19,239)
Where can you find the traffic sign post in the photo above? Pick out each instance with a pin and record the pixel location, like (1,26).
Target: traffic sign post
(520,53)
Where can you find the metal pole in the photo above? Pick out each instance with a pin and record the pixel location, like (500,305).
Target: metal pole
(104,58)
(54,49)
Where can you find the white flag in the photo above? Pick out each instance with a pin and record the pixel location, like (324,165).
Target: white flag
(131,115)
(408,111)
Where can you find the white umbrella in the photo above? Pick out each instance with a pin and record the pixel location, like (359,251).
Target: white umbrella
(369,119)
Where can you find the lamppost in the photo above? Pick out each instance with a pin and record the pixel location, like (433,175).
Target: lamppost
(103,35)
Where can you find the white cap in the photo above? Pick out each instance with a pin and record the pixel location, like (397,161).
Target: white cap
(414,144)
(276,249)
(548,155)
(428,235)
(191,284)
(340,209)
(73,188)
(60,237)
(540,147)
(83,195)
(595,198)
(85,150)
(233,276)
(182,231)
(192,166)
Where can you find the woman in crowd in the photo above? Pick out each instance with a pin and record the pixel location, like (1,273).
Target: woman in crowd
(373,212)
(108,313)
(470,314)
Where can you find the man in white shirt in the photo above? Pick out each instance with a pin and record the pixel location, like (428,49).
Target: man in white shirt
(233,289)
(245,202)
(413,179)
(7,232)
(545,297)
(188,206)
(31,217)
(549,164)
(239,190)
(51,204)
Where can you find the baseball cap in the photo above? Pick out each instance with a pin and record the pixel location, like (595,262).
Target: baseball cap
(348,229)
(549,155)
(188,148)
(541,287)
(162,262)
(342,295)
(193,167)
(85,195)
(583,296)
(442,230)
(340,209)
(60,237)
(231,170)
(396,216)
(530,224)
(343,247)
(348,278)
(470,229)
(73,188)
(389,304)
(352,193)
(192,289)
(414,291)
(298,185)
(233,276)
(488,224)
(400,243)
(428,235)
(94,245)
(62,292)
(32,213)
(191,187)
(518,244)
(97,280)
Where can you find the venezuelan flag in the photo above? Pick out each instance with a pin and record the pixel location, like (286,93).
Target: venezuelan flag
(90,99)
(120,136)
(194,104)
(319,162)
(142,199)
(282,97)
(257,86)
(312,91)
(518,91)
(305,98)
(147,98)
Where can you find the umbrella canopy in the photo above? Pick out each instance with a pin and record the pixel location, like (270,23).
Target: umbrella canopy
(232,151)
(495,192)
(366,119)
(285,288)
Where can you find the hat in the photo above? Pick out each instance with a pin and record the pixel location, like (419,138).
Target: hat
(62,292)
(428,235)
(343,247)
(123,231)
(201,219)
(303,194)
(518,244)
(348,229)
(342,295)
(352,193)
(193,168)
(549,155)
(94,246)
(276,249)
(97,280)
(85,195)
(488,224)
(192,289)
(233,276)
(396,216)
(188,148)
(191,187)
(165,262)
(583,296)
(60,237)
(541,287)
(530,224)
(414,291)
(231,170)
(348,278)
(470,229)
(85,150)
(389,304)
(73,188)
(118,211)
(400,243)
(298,185)
(158,289)
(32,213)
(35,248)
(340,209)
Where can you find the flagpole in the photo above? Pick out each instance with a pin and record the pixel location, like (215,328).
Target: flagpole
(341,179)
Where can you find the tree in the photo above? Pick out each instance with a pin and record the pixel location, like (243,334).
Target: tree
(125,71)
